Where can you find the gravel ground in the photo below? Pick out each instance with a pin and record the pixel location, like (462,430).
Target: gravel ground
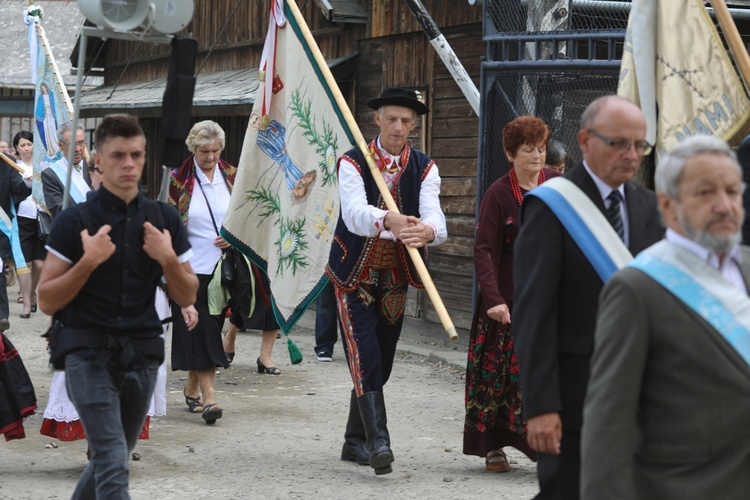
(280,436)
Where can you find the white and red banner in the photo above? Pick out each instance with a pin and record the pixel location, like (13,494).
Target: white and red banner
(285,201)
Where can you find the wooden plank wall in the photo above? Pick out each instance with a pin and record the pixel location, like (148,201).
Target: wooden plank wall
(392,17)
(454,130)
(238,47)
(10,125)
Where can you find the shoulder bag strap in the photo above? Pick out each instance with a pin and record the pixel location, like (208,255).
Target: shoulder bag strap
(211,212)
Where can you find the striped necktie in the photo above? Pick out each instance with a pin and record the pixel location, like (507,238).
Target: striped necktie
(614,214)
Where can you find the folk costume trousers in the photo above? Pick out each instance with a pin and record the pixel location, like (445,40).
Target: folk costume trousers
(371,319)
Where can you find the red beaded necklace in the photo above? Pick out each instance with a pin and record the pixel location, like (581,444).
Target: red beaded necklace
(516,186)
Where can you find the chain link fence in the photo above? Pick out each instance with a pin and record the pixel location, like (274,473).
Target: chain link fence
(550,59)
(558,98)
(522,16)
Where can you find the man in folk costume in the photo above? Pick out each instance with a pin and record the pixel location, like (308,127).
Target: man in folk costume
(668,405)
(370,268)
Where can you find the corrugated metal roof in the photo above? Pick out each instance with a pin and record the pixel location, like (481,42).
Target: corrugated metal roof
(223,88)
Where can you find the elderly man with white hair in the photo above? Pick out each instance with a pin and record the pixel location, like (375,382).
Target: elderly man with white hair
(668,403)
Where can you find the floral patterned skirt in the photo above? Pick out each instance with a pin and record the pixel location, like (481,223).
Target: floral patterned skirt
(493,394)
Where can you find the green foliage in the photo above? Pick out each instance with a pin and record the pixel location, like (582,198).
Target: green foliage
(269,203)
(324,141)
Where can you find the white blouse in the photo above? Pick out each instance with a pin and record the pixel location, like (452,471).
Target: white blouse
(27,208)
(367,220)
(200,228)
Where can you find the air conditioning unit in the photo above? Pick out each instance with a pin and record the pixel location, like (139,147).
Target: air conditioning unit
(155,16)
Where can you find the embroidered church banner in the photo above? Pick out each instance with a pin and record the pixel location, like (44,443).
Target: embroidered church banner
(285,201)
(674,62)
(52,106)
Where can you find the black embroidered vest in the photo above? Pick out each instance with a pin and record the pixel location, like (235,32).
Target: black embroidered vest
(350,253)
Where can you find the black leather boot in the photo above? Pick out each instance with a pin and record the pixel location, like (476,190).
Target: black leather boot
(372,409)
(355,439)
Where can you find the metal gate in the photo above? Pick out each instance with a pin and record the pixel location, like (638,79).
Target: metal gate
(548,58)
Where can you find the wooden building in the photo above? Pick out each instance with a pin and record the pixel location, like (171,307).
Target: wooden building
(370,45)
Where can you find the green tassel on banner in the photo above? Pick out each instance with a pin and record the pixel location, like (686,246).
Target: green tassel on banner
(294,353)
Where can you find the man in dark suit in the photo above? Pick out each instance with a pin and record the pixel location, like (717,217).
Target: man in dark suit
(11,185)
(52,184)
(557,289)
(668,405)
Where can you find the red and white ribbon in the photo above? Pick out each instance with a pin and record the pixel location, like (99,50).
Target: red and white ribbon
(268,59)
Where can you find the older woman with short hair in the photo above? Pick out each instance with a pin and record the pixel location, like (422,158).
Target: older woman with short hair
(200,189)
(493,395)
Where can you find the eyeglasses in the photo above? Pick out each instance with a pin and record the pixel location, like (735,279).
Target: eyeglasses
(623,145)
(94,169)
(79,144)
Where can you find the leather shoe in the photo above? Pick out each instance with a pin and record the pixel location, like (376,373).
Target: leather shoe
(4,324)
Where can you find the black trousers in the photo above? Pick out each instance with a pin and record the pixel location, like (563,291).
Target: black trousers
(559,475)
(4,306)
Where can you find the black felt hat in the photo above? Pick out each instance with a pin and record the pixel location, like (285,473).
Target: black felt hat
(400,97)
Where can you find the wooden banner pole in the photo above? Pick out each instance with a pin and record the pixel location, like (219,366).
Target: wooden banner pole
(732,36)
(419,265)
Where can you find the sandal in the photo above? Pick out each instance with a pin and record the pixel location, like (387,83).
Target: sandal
(211,413)
(194,404)
(496,461)
(230,356)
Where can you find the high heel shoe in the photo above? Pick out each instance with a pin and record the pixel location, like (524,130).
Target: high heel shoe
(33,306)
(270,370)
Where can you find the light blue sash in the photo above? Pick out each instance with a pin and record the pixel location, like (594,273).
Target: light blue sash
(702,288)
(9,227)
(62,174)
(586,224)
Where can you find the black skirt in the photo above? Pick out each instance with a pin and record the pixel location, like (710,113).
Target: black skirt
(262,317)
(28,234)
(202,348)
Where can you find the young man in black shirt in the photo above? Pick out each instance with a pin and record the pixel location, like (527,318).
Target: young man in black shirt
(106,257)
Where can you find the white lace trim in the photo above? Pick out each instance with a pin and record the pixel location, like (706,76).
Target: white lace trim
(61,409)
